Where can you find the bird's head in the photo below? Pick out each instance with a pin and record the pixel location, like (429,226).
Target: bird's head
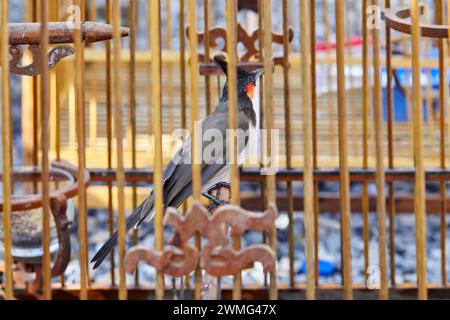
(246,80)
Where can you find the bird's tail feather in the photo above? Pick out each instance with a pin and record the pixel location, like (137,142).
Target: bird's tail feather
(136,218)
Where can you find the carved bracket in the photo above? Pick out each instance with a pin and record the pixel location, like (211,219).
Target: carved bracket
(216,258)
(35,68)
(250,43)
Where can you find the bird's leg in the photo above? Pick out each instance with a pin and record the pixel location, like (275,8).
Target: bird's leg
(219,195)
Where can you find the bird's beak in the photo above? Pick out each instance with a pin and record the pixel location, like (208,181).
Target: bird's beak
(258,73)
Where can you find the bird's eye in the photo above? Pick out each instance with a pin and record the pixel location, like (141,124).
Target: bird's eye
(251,79)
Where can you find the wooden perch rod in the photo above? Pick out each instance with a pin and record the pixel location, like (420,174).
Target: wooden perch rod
(61,32)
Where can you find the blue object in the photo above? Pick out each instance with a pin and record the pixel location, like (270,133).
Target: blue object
(400,112)
(326,268)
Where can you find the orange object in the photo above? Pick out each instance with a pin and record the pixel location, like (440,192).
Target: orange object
(250,90)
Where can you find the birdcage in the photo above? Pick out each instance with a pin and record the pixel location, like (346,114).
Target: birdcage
(342,193)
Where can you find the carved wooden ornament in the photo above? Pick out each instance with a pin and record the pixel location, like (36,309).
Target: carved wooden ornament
(216,258)
(35,68)
(250,42)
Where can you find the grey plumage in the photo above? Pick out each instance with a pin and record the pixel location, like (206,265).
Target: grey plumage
(177,176)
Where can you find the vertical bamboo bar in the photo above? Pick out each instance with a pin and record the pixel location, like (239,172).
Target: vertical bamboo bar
(206,13)
(365,158)
(380,177)
(409,109)
(263,183)
(6,146)
(45,141)
(268,117)
(231,13)
(132,110)
(35,152)
(196,167)
(308,183)
(442,46)
(332,131)
(343,160)
(419,189)
(157,131)
(117,102)
(288,131)
(446,95)
(57,93)
(27,100)
(312,10)
(85,227)
(183,64)
(109,137)
(183,81)
(351,83)
(93,87)
(431,146)
(390,129)
(169,70)
(81,140)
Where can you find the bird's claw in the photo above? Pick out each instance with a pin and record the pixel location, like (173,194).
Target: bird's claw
(215,201)
(219,186)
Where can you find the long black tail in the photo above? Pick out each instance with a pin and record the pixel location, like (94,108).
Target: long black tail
(134,220)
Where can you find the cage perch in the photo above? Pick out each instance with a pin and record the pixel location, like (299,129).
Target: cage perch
(60,34)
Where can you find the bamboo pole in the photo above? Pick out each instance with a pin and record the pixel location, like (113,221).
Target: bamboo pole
(6,146)
(351,83)
(169,72)
(409,109)
(288,133)
(45,135)
(132,110)
(419,189)
(429,99)
(117,102)
(332,130)
(183,85)
(27,100)
(380,177)
(446,96)
(268,117)
(57,75)
(308,184)
(196,167)
(343,161)
(36,106)
(155,36)
(109,138)
(55,110)
(442,46)
(207,23)
(231,13)
(312,10)
(263,183)
(93,94)
(81,140)
(183,64)
(390,120)
(365,158)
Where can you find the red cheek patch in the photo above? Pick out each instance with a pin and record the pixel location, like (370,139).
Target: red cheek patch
(250,90)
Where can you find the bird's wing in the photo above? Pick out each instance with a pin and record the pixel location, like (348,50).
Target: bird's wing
(179,174)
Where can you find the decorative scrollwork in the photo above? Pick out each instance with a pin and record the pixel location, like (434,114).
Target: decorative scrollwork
(35,68)
(216,258)
(250,43)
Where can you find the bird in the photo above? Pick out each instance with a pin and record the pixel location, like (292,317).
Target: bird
(177,176)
